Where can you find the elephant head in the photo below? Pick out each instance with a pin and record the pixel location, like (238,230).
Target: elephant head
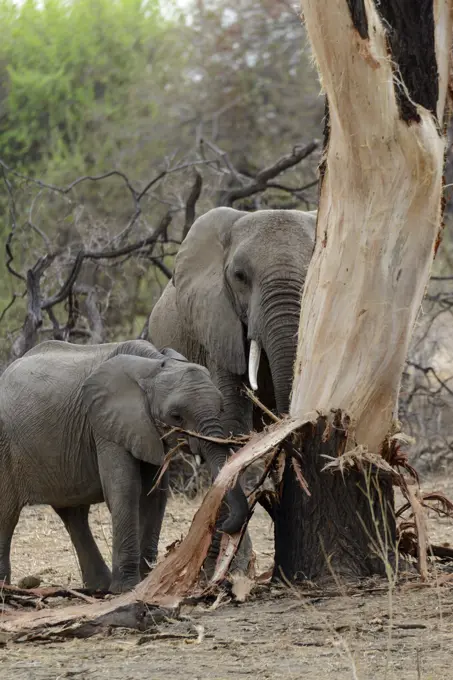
(239,278)
(128,396)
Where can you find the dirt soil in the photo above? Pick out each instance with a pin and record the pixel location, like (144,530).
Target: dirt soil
(277,633)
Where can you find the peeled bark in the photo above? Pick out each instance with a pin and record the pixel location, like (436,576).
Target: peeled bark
(384,67)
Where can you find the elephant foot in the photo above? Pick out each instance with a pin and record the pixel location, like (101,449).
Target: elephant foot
(97,577)
(122,584)
(100,582)
(118,587)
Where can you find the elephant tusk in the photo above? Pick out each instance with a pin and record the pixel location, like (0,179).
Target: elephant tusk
(254,362)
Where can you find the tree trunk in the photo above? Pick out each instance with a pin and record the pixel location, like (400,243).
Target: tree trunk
(346,526)
(384,66)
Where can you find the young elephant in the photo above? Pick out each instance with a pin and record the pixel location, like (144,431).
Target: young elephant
(78,426)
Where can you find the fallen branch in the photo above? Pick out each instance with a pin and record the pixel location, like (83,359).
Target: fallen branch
(16,597)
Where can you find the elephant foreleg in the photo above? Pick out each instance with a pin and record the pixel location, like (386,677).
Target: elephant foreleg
(95,573)
(121,484)
(152,509)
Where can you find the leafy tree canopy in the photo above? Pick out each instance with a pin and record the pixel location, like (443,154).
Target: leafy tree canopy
(66,74)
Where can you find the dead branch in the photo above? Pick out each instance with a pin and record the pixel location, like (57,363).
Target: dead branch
(227,441)
(12,214)
(10,304)
(262,179)
(191,203)
(261,406)
(33,320)
(116,250)
(163,267)
(430,370)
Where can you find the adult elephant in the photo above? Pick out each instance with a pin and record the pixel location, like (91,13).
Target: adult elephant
(80,424)
(235,297)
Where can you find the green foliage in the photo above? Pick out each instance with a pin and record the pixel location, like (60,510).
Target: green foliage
(89,86)
(66,71)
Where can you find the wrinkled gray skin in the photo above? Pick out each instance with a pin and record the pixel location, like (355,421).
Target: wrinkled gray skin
(239,277)
(78,426)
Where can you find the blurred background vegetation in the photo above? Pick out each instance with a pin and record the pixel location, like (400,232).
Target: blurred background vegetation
(166,108)
(91,86)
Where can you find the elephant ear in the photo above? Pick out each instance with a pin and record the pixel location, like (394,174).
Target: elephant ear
(118,408)
(201,296)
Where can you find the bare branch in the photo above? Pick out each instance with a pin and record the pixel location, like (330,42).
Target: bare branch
(191,203)
(57,332)
(12,213)
(10,304)
(72,185)
(33,320)
(293,190)
(163,267)
(264,176)
(67,286)
(430,370)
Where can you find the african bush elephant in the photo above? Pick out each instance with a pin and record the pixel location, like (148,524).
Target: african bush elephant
(79,425)
(236,291)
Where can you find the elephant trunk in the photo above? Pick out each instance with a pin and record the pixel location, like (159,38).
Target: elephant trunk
(235,500)
(280,327)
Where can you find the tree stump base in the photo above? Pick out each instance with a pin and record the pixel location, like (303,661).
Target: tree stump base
(346,527)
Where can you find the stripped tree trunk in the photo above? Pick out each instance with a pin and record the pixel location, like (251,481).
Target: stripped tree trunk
(384,66)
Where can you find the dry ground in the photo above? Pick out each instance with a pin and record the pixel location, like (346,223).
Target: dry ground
(276,634)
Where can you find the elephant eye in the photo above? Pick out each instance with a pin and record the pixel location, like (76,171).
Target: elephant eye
(240,276)
(176,417)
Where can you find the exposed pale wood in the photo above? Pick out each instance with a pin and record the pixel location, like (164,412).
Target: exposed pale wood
(378,220)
